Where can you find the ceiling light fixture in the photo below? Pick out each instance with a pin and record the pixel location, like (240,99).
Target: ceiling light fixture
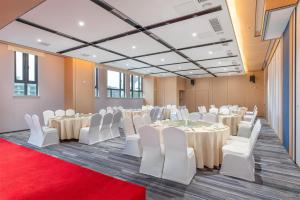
(191,72)
(219,62)
(94,56)
(133,47)
(127,64)
(39,40)
(81,23)
(210,52)
(162,60)
(194,34)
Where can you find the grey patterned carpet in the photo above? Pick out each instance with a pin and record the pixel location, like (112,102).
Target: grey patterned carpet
(277,176)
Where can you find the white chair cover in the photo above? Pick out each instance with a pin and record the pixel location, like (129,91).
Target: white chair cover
(153,158)
(116,124)
(90,135)
(138,122)
(47,115)
(194,116)
(133,144)
(70,112)
(214,110)
(210,117)
(147,119)
(102,112)
(152,114)
(238,160)
(105,130)
(110,110)
(60,113)
(40,136)
(180,161)
(179,116)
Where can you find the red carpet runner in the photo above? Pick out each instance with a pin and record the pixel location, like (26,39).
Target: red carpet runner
(28,174)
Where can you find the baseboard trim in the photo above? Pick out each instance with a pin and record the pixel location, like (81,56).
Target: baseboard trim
(14,131)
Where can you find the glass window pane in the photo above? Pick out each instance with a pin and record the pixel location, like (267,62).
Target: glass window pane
(19,66)
(19,89)
(31,67)
(113,79)
(31,90)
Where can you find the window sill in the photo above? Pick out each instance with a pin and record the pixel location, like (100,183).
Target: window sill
(24,96)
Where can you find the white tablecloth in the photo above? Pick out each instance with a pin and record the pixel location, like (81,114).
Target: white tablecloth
(206,141)
(69,127)
(231,120)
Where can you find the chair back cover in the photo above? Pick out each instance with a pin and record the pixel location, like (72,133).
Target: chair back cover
(70,112)
(47,115)
(128,126)
(95,124)
(138,122)
(107,119)
(179,115)
(102,112)
(152,113)
(60,113)
(29,122)
(110,109)
(37,124)
(254,135)
(210,117)
(117,117)
(214,110)
(175,142)
(194,116)
(149,137)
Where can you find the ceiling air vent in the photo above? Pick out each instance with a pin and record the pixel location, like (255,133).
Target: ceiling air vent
(85,55)
(234,62)
(229,53)
(44,44)
(215,23)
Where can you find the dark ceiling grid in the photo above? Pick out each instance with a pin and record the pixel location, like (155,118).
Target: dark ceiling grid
(89,44)
(167,22)
(126,19)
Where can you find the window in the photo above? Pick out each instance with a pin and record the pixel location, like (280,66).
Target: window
(136,86)
(115,84)
(26,74)
(97,89)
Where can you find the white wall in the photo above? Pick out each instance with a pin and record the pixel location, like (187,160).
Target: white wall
(103,101)
(274,90)
(51,90)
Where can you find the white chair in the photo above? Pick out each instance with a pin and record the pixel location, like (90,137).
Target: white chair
(238,160)
(102,112)
(47,115)
(185,114)
(210,117)
(147,119)
(60,113)
(152,114)
(180,161)
(110,110)
(194,116)
(202,109)
(90,135)
(179,116)
(173,114)
(156,113)
(252,112)
(105,129)
(138,122)
(70,112)
(115,132)
(214,110)
(224,111)
(39,136)
(133,146)
(160,114)
(153,157)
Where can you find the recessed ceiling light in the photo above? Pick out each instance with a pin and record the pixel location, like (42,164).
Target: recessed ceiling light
(39,40)
(148,70)
(210,52)
(81,23)
(94,56)
(127,64)
(162,60)
(194,34)
(191,72)
(133,47)
(219,62)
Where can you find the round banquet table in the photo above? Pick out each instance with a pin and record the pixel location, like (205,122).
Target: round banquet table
(231,120)
(130,113)
(68,127)
(206,140)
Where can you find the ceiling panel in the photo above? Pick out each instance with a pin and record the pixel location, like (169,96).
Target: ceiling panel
(64,16)
(93,54)
(191,72)
(230,74)
(224,69)
(183,66)
(134,45)
(127,64)
(164,75)
(207,52)
(29,36)
(220,62)
(164,58)
(147,12)
(196,31)
(148,70)
(200,76)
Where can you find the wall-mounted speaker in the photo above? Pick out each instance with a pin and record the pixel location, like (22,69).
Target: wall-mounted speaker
(192,82)
(252,78)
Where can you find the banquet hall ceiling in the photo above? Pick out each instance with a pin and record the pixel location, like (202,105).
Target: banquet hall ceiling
(188,38)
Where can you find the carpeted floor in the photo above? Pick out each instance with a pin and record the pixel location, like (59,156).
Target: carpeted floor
(277,176)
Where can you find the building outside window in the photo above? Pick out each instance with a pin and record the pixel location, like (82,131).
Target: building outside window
(136,86)
(115,84)
(26,74)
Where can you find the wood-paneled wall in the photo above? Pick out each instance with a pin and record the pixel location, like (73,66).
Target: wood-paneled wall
(227,90)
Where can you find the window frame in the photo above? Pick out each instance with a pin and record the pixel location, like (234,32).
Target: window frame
(121,83)
(25,76)
(97,82)
(140,90)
